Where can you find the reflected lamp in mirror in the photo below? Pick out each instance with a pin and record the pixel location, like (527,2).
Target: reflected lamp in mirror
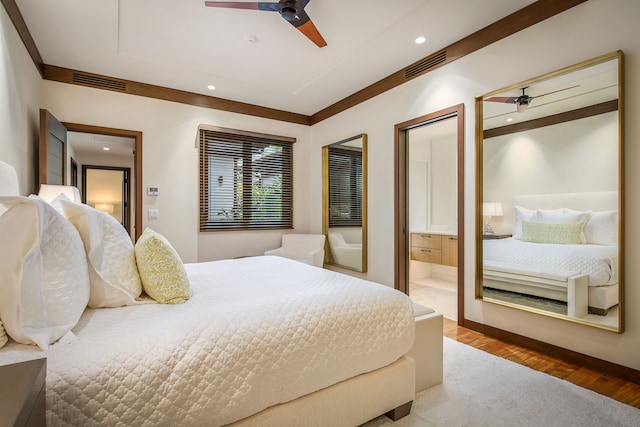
(104,207)
(489,210)
(48,192)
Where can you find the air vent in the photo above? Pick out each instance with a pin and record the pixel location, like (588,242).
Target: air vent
(425,65)
(99,82)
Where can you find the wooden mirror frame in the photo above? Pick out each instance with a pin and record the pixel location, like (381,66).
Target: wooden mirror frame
(325,201)
(480,135)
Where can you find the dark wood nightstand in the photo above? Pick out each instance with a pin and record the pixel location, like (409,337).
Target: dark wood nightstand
(22,393)
(495,236)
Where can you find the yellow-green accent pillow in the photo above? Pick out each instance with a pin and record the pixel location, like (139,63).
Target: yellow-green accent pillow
(564,234)
(161,270)
(3,335)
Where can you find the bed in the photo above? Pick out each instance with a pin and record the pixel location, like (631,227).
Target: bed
(255,341)
(582,272)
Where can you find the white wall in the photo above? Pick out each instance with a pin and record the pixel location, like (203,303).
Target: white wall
(170,162)
(19,105)
(586,31)
(573,157)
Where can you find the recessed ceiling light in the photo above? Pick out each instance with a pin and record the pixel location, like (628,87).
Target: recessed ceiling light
(421,39)
(211,87)
(510,119)
(105,148)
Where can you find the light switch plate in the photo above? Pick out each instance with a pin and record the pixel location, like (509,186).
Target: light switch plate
(154,214)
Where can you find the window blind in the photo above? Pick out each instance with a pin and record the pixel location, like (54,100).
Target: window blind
(246,180)
(345,187)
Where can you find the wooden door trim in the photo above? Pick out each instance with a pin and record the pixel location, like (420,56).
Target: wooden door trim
(401,238)
(137,156)
(50,126)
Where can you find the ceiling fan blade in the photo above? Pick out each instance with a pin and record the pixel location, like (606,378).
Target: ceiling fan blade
(256,5)
(506,99)
(305,25)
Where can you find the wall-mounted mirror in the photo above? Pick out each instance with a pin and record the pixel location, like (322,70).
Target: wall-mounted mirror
(344,202)
(550,194)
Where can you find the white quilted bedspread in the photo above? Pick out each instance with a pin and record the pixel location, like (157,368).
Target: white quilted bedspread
(597,261)
(257,332)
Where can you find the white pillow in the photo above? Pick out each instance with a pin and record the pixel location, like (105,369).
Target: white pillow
(522,214)
(112,263)
(602,228)
(44,279)
(564,216)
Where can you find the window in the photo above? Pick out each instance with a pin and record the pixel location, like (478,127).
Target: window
(246,180)
(345,187)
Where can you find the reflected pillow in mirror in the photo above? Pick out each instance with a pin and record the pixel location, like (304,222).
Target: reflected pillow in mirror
(564,216)
(563,234)
(602,228)
(522,214)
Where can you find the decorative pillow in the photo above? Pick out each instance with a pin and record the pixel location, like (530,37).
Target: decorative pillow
(112,264)
(564,216)
(521,214)
(44,279)
(163,275)
(564,234)
(3,335)
(602,228)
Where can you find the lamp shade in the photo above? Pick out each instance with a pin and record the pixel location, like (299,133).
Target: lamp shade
(492,209)
(49,192)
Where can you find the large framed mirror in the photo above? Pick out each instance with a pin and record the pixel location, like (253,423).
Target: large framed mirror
(344,202)
(549,196)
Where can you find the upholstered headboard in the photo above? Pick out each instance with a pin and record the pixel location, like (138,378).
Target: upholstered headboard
(8,180)
(597,201)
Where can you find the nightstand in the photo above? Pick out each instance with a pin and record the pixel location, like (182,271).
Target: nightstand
(22,393)
(495,236)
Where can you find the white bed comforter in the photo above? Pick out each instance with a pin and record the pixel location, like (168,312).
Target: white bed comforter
(257,332)
(597,261)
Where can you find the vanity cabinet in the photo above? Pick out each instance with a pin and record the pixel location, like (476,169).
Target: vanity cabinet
(435,248)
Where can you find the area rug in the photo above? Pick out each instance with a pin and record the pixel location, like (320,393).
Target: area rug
(480,389)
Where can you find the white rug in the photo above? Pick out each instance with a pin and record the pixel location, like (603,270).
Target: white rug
(480,389)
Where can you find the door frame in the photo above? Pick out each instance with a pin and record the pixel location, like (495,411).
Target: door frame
(126,190)
(137,156)
(401,199)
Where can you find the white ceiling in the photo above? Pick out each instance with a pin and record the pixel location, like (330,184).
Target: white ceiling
(184,45)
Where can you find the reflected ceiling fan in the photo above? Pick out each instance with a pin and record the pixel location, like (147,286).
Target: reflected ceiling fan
(291,11)
(523,101)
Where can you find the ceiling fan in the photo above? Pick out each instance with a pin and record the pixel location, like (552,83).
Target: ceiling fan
(291,11)
(523,101)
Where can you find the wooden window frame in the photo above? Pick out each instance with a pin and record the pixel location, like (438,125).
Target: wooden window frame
(218,141)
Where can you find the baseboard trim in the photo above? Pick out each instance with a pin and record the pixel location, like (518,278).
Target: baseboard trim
(603,366)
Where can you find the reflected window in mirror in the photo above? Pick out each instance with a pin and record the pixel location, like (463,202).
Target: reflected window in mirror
(549,152)
(345,202)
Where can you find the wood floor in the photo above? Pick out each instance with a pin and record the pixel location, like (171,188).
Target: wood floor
(613,387)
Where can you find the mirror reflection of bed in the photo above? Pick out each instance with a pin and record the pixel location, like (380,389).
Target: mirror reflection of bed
(433,221)
(555,171)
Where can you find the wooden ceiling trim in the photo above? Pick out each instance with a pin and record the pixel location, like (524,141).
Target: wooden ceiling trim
(517,21)
(524,18)
(97,81)
(23,31)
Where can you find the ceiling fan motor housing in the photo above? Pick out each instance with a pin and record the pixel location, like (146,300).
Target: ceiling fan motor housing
(289,13)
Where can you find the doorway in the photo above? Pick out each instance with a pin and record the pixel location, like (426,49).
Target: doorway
(429,165)
(108,189)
